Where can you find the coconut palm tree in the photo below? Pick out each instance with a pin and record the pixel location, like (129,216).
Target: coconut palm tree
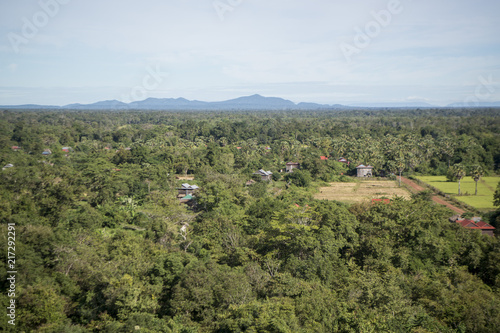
(476,173)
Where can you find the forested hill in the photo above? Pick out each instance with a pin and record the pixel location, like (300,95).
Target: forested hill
(103,243)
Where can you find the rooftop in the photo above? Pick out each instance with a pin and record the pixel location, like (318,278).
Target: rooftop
(471,224)
(189,187)
(263,173)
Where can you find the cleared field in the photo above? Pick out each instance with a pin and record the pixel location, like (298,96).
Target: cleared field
(485,189)
(362,191)
(190,177)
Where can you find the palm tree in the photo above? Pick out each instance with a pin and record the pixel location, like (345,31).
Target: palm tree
(476,173)
(459,172)
(400,166)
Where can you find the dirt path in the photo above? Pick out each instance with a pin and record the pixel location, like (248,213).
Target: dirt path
(412,184)
(417,188)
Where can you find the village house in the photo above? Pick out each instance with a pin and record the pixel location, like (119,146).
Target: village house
(15,148)
(343,160)
(364,170)
(265,175)
(8,166)
(476,223)
(292,165)
(187,189)
(47,152)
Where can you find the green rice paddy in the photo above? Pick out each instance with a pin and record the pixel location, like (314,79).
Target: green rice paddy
(485,189)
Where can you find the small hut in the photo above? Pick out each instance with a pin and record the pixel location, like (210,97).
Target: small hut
(292,165)
(265,175)
(364,170)
(187,189)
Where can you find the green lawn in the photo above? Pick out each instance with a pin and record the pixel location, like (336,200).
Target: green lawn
(485,189)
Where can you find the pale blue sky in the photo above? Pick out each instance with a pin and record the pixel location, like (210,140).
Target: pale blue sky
(65,51)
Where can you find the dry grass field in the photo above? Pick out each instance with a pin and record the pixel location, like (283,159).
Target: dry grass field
(361,191)
(179,177)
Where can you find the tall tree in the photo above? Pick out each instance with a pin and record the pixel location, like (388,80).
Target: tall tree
(476,173)
(400,166)
(458,171)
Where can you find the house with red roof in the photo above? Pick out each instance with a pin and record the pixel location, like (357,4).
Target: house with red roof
(343,160)
(477,224)
(384,201)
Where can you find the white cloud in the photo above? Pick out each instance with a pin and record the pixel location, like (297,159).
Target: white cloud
(12,67)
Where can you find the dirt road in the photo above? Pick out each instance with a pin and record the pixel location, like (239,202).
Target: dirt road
(437,199)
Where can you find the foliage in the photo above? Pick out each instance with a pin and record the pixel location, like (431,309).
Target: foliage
(104,245)
(301,178)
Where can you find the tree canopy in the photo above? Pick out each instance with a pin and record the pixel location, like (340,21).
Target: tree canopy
(104,245)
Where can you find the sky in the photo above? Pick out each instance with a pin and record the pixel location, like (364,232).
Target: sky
(57,52)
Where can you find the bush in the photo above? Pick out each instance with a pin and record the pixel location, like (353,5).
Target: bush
(423,195)
(301,178)
(450,176)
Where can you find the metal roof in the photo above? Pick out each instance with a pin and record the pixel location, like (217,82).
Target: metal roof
(264,173)
(189,187)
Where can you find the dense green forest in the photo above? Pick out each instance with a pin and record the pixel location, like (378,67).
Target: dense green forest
(104,245)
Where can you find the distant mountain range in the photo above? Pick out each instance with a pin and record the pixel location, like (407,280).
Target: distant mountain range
(253,102)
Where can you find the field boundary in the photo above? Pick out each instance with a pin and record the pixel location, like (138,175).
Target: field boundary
(487,185)
(435,198)
(480,203)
